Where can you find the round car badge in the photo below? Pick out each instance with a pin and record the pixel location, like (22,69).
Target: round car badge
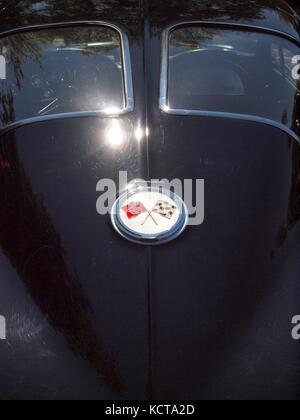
(149,215)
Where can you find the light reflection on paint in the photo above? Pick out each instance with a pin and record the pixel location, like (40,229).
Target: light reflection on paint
(114,134)
(113,111)
(139,134)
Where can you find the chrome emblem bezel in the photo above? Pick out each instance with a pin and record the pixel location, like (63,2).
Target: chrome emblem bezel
(152,238)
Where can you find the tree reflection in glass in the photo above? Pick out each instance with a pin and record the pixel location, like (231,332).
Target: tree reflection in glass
(61,70)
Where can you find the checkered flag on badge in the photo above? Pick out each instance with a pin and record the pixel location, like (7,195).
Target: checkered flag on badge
(165,209)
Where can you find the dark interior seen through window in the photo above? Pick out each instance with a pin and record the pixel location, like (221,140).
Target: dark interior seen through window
(61,70)
(212,69)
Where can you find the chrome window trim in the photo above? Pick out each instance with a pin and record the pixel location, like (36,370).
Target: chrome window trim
(127,75)
(163,100)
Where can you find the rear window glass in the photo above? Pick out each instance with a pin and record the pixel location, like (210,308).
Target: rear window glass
(61,70)
(217,70)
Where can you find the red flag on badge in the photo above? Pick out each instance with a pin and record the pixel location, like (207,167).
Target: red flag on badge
(134,209)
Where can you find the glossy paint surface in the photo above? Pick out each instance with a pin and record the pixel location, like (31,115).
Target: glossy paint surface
(91,315)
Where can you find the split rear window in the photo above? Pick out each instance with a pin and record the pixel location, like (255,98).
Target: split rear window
(230,71)
(61,71)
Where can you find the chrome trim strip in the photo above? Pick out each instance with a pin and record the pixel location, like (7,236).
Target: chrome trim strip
(241,117)
(234,25)
(57,117)
(163,100)
(127,75)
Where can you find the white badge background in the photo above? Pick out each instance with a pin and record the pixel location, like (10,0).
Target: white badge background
(149,200)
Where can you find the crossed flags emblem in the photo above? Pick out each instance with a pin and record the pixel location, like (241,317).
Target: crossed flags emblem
(163,208)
